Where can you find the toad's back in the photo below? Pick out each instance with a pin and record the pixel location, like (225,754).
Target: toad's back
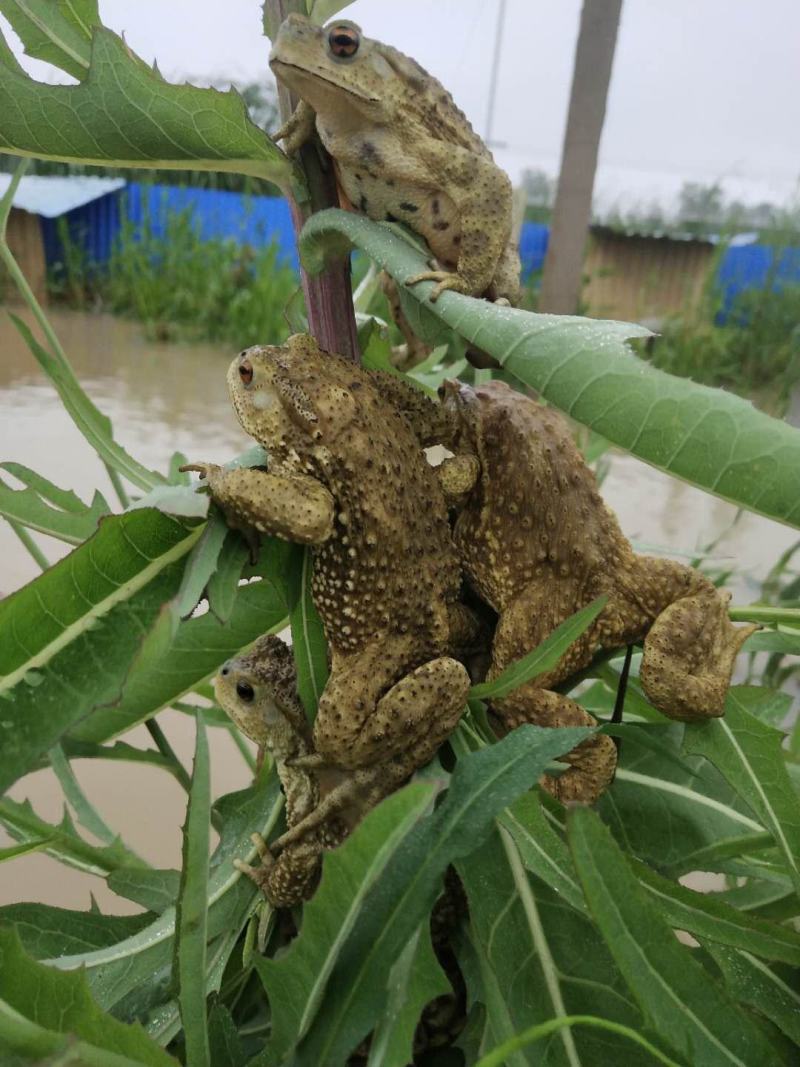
(536,511)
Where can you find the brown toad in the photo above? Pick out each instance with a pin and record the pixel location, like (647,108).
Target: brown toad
(348,478)
(402,150)
(259,692)
(537,543)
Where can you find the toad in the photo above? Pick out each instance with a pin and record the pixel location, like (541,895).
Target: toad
(402,150)
(537,543)
(347,477)
(258,690)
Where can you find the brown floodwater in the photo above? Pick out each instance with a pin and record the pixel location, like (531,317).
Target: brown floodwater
(164,398)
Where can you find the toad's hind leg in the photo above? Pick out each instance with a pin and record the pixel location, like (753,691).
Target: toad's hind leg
(413,716)
(689,655)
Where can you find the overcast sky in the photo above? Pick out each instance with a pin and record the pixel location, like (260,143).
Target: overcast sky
(701,89)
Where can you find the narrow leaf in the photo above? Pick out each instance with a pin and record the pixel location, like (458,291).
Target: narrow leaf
(308,637)
(543,658)
(223,586)
(48,931)
(154,890)
(761,987)
(191,916)
(684,1006)
(748,753)
(201,564)
(60,1004)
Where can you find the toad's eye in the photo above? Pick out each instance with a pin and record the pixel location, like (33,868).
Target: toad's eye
(244,691)
(246,371)
(442,391)
(343,41)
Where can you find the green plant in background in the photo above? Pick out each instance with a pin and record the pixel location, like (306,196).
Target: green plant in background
(537,923)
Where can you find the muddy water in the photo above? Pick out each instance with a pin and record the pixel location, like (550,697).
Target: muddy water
(166,398)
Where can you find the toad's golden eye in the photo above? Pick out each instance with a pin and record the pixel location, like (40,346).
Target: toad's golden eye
(246,371)
(344,41)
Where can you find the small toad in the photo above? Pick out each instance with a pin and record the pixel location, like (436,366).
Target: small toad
(538,543)
(402,150)
(347,477)
(258,690)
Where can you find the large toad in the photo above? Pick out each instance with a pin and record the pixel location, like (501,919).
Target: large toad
(537,543)
(402,150)
(347,477)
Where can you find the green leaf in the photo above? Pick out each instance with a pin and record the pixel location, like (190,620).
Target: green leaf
(57,33)
(154,890)
(414,981)
(201,564)
(63,841)
(543,658)
(225,1045)
(482,784)
(665,810)
(39,1004)
(140,966)
(690,1011)
(223,586)
(708,437)
(177,500)
(13,851)
(295,982)
(47,931)
(195,651)
(191,917)
(91,608)
(748,754)
(536,960)
(320,11)
(761,987)
(308,637)
(91,422)
(70,520)
(124,114)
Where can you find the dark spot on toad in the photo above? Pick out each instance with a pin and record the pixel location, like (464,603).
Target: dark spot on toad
(441,225)
(363,204)
(406,206)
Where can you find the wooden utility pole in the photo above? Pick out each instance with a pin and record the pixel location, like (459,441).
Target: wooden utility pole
(594,56)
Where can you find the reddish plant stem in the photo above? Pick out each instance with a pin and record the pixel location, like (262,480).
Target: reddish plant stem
(329,295)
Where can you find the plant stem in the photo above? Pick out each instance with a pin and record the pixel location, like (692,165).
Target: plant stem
(329,296)
(499,1055)
(166,750)
(41,560)
(765,613)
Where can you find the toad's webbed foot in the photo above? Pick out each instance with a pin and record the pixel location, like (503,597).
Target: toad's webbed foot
(591,764)
(689,655)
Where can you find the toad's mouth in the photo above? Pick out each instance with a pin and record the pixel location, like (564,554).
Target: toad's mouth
(317,74)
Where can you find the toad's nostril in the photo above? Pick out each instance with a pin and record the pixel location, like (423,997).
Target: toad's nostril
(225,670)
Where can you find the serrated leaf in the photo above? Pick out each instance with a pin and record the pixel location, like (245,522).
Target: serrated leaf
(58,33)
(414,981)
(761,987)
(537,960)
(135,974)
(542,658)
(154,890)
(691,1012)
(296,981)
(191,913)
(124,114)
(48,931)
(708,437)
(748,754)
(62,841)
(482,784)
(27,507)
(58,1008)
(195,651)
(92,607)
(308,637)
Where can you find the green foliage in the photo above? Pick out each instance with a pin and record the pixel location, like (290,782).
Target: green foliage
(185,287)
(517,932)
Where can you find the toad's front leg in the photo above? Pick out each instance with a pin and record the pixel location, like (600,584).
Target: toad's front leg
(689,655)
(292,506)
(289,878)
